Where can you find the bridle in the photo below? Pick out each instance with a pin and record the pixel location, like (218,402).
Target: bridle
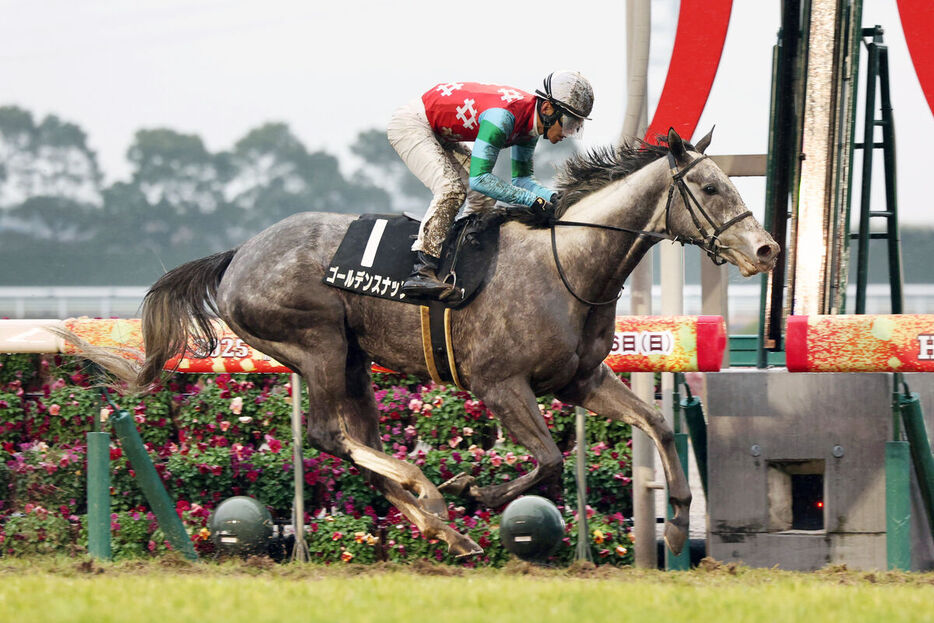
(709,239)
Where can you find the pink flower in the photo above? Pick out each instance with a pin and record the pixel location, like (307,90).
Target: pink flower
(225,425)
(55,409)
(511,458)
(274,444)
(337,536)
(415,405)
(467,431)
(454,441)
(236,405)
(496,460)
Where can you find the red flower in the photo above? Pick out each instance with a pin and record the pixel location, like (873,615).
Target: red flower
(274,444)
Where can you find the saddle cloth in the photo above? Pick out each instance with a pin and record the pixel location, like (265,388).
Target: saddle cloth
(375,256)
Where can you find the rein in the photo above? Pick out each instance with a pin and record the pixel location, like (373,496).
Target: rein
(709,240)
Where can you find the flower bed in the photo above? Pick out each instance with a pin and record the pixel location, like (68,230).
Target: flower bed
(215,436)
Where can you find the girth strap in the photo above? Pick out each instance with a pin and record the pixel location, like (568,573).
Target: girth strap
(437,344)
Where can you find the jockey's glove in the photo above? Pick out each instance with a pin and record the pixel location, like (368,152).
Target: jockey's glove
(541,204)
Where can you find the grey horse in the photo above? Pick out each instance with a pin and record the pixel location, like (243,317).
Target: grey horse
(543,323)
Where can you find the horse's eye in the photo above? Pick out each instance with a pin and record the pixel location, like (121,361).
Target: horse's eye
(710,189)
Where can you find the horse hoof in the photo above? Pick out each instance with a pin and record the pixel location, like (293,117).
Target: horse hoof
(457,484)
(465,547)
(675,537)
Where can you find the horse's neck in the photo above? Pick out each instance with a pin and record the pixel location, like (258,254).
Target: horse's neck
(604,259)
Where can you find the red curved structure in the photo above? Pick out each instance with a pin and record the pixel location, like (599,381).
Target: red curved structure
(917,22)
(702,26)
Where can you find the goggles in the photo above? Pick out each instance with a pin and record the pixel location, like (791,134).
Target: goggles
(570,125)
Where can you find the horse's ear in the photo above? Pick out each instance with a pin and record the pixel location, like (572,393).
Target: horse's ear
(676,145)
(704,143)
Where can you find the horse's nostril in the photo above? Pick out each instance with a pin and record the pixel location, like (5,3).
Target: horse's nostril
(766,252)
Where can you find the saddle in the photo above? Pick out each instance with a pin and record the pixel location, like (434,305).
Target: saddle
(375,256)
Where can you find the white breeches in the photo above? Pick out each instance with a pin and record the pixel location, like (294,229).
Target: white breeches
(441,166)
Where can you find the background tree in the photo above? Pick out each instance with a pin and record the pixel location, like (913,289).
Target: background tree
(276,176)
(49,159)
(177,169)
(59,223)
(385,168)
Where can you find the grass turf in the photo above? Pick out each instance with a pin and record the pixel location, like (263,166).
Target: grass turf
(171,590)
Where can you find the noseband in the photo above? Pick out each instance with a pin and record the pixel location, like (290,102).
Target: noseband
(709,240)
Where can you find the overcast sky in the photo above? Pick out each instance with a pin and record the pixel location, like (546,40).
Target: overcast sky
(220,68)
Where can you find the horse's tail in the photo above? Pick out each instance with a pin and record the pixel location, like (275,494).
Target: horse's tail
(180,307)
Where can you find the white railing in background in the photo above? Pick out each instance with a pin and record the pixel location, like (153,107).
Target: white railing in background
(68,301)
(124,301)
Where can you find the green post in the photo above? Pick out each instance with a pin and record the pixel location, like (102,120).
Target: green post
(583,531)
(694,416)
(897,505)
(98,495)
(148,480)
(915,431)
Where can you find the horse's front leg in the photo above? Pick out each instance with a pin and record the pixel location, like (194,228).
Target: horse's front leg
(603,393)
(513,401)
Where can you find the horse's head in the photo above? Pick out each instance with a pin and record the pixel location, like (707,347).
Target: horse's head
(705,208)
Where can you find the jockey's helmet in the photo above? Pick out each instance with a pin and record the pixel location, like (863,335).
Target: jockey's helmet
(572,96)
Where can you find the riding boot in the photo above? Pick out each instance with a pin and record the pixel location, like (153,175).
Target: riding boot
(423,283)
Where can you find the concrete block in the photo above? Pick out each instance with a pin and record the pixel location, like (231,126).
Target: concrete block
(763,418)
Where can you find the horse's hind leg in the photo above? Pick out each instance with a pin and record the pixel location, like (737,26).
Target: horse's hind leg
(338,394)
(343,421)
(604,394)
(360,417)
(428,516)
(357,437)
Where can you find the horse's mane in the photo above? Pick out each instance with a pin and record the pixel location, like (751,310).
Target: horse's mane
(588,172)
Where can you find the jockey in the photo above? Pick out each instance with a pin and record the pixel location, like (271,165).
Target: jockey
(429,134)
